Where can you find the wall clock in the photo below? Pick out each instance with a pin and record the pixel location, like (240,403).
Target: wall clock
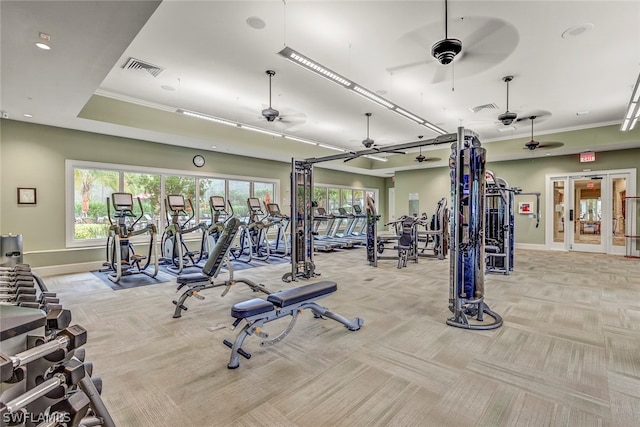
(198,161)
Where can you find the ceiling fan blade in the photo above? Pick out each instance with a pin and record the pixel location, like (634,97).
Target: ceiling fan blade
(550,145)
(443,72)
(407,66)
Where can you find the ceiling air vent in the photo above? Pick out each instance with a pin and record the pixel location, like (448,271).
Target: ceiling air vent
(136,64)
(479,108)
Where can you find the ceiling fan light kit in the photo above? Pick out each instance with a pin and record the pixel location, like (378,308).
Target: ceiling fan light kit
(445,50)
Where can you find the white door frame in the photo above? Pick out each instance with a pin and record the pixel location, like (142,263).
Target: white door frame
(607,236)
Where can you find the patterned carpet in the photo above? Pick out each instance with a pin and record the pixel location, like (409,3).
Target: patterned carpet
(568,353)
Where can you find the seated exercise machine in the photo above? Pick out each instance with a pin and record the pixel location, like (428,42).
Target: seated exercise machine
(174,248)
(122,258)
(405,240)
(219,255)
(436,236)
(290,302)
(466,291)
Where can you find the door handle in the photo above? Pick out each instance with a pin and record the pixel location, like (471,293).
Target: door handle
(570,214)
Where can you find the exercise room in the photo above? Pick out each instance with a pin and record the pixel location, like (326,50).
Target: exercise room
(319,213)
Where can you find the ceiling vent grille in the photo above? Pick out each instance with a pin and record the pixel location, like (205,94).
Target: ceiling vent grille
(137,64)
(479,108)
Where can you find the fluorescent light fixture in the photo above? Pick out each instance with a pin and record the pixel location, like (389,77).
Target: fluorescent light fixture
(206,117)
(409,115)
(380,159)
(330,75)
(304,141)
(264,131)
(330,147)
(311,65)
(373,97)
(633,111)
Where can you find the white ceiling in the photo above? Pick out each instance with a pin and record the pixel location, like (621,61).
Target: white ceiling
(214,63)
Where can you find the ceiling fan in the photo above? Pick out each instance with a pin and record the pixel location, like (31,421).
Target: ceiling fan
(446,49)
(533,144)
(487,42)
(507,117)
(270,113)
(421,158)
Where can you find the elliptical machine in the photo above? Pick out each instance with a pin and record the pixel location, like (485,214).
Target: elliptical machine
(219,217)
(174,248)
(122,258)
(279,246)
(253,242)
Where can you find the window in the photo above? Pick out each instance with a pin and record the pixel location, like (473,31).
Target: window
(145,187)
(332,198)
(209,187)
(264,192)
(92,187)
(239,192)
(90,184)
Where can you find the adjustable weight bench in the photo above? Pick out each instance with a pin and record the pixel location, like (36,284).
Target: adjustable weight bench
(289,302)
(197,282)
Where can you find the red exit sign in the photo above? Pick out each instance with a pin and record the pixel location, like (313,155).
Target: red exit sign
(587,156)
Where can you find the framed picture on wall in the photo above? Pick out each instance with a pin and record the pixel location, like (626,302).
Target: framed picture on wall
(525,208)
(26,196)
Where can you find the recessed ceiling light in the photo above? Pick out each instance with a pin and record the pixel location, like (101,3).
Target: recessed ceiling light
(213,147)
(27,115)
(577,30)
(43,46)
(256,23)
(582,113)
(167,87)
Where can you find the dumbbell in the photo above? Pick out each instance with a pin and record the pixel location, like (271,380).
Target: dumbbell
(57,317)
(17,267)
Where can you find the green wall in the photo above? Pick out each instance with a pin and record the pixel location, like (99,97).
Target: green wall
(34,156)
(528,174)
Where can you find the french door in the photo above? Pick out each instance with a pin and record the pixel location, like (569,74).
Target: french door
(587,211)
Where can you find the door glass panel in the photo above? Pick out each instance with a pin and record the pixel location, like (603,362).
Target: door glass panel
(558,211)
(588,211)
(618,210)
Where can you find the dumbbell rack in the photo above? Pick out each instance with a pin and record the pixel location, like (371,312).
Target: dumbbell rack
(44,379)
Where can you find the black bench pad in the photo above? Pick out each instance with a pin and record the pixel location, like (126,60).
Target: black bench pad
(302,293)
(249,308)
(185,279)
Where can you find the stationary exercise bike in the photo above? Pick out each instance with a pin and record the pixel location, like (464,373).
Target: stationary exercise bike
(122,258)
(174,249)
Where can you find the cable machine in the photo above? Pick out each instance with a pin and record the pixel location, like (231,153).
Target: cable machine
(467,260)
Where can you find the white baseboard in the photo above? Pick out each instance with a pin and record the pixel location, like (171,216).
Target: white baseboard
(54,270)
